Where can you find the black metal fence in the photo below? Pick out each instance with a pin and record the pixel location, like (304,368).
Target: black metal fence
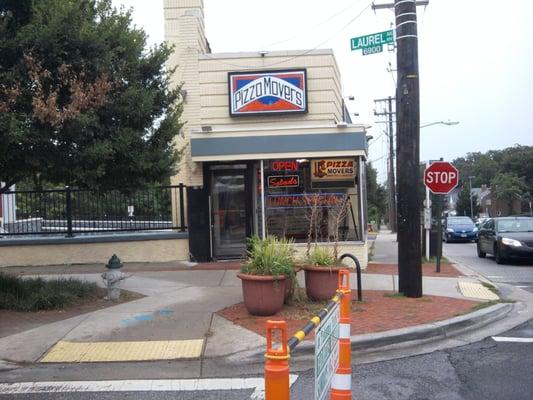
(72,211)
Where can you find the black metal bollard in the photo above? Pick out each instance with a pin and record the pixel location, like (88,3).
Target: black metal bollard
(358,272)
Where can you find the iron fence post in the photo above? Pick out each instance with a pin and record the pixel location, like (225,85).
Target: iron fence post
(69,211)
(182,208)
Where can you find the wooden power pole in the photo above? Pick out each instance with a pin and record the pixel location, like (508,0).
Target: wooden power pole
(408,150)
(407,146)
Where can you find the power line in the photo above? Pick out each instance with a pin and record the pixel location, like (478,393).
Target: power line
(376,139)
(379,158)
(312,28)
(245,67)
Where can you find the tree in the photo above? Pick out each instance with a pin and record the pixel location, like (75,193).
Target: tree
(463,202)
(81,101)
(376,195)
(517,160)
(508,187)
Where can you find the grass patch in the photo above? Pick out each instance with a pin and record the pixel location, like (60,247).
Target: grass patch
(485,304)
(433,260)
(35,294)
(492,288)
(395,295)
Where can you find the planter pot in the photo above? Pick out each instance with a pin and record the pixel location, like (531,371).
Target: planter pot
(263,294)
(321,282)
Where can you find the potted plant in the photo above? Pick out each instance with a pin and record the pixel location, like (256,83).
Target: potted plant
(264,274)
(322,264)
(321,273)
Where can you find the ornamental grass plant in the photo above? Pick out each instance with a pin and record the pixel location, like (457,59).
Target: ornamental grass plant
(322,256)
(269,256)
(35,294)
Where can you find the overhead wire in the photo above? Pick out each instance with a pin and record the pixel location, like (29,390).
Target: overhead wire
(245,67)
(312,28)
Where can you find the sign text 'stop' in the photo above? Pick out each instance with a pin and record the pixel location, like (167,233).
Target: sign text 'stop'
(441,177)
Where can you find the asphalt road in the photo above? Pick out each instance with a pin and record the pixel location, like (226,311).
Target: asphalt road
(483,370)
(518,274)
(488,369)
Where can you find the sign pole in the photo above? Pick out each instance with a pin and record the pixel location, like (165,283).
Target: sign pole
(439,227)
(428,229)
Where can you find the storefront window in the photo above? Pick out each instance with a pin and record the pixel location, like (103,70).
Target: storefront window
(312,198)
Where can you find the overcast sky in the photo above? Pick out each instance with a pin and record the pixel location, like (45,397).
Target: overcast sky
(475,59)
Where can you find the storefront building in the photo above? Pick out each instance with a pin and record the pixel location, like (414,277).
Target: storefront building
(266,146)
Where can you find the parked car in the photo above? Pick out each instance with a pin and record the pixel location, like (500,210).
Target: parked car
(480,221)
(459,229)
(506,238)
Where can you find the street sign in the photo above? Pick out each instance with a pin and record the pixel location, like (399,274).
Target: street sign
(427,218)
(326,352)
(372,41)
(441,177)
(372,50)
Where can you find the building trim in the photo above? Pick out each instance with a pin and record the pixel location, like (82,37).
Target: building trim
(263,147)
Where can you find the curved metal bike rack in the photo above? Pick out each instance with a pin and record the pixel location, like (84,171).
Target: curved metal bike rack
(358,271)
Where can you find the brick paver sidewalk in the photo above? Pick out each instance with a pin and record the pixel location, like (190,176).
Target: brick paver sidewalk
(380,311)
(446,270)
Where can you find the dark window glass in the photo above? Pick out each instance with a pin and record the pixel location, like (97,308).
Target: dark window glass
(296,208)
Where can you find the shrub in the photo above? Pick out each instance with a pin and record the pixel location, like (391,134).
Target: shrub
(34,294)
(271,256)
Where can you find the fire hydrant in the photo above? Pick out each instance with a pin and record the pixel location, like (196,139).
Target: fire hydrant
(113,277)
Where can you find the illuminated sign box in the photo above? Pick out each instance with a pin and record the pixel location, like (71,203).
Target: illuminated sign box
(283,181)
(267,92)
(333,173)
(305,200)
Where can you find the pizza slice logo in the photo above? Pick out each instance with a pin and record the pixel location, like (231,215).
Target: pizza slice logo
(267,92)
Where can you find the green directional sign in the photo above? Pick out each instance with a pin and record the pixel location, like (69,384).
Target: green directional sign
(372,41)
(372,50)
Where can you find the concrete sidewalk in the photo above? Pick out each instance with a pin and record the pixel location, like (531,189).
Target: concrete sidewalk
(385,248)
(182,305)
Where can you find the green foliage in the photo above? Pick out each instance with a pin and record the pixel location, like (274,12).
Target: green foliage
(376,195)
(322,256)
(82,102)
(508,187)
(463,202)
(271,256)
(516,160)
(34,294)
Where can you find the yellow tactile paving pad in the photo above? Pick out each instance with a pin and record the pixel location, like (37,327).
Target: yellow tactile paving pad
(64,352)
(476,290)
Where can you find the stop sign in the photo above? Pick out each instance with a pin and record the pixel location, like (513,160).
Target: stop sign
(441,177)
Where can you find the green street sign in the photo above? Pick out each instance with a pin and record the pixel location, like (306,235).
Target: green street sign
(376,39)
(372,50)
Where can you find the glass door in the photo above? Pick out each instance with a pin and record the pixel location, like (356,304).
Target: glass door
(228,213)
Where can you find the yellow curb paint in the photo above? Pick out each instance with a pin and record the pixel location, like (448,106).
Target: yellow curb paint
(477,291)
(64,352)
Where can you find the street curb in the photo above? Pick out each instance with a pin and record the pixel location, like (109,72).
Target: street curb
(404,337)
(437,330)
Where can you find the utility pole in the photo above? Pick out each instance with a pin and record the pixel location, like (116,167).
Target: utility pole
(408,147)
(391,176)
(471,205)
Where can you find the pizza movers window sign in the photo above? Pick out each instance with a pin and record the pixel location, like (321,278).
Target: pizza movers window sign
(267,92)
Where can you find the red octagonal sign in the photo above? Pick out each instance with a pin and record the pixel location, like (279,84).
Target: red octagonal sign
(441,177)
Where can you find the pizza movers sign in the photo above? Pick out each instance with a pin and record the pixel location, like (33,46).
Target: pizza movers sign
(267,92)
(333,169)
